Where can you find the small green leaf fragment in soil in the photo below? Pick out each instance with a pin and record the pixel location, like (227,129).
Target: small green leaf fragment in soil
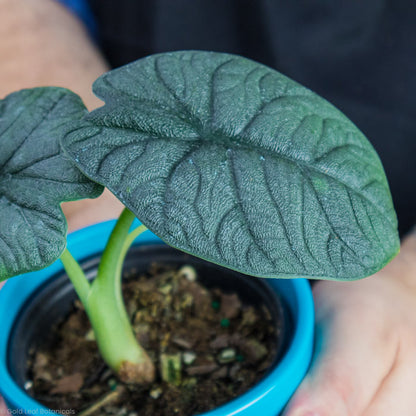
(171,368)
(112,383)
(225,323)
(215,305)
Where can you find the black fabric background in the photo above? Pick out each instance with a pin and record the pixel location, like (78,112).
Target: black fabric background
(359,55)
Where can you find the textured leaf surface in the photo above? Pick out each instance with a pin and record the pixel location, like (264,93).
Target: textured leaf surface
(231,161)
(35,177)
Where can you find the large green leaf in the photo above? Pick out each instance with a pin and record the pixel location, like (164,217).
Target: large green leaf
(35,177)
(231,161)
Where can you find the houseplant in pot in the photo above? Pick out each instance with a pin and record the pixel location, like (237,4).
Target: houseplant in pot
(219,156)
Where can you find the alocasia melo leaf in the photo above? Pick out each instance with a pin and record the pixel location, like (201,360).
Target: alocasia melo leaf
(233,162)
(35,177)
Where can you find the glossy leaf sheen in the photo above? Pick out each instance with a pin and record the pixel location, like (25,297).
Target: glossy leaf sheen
(231,161)
(35,177)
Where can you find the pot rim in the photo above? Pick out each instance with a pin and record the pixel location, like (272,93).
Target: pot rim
(272,392)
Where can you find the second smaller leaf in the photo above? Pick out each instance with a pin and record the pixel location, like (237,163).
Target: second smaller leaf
(35,177)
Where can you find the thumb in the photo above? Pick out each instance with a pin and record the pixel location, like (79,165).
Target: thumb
(351,359)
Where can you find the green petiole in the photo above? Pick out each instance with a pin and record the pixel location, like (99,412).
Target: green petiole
(103,302)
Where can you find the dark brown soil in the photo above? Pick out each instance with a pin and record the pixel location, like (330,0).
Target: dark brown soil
(222,346)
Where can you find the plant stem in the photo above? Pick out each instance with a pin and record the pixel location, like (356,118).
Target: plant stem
(76,275)
(104,305)
(107,313)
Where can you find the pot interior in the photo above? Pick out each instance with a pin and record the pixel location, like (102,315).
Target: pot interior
(53,300)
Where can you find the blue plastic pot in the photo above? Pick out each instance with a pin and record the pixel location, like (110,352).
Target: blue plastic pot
(267,398)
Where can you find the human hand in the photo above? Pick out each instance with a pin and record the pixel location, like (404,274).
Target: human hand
(43,43)
(365,360)
(3,408)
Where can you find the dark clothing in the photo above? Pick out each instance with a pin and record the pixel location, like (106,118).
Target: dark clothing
(359,55)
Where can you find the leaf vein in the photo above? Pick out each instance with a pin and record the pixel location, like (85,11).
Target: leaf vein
(263,106)
(220,224)
(302,226)
(34,128)
(281,219)
(211,88)
(242,213)
(329,222)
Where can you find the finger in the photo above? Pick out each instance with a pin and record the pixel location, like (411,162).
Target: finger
(350,362)
(3,408)
(397,393)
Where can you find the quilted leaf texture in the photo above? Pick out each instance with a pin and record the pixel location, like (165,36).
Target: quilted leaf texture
(35,177)
(233,162)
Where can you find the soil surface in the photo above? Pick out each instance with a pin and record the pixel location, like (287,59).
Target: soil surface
(207,346)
